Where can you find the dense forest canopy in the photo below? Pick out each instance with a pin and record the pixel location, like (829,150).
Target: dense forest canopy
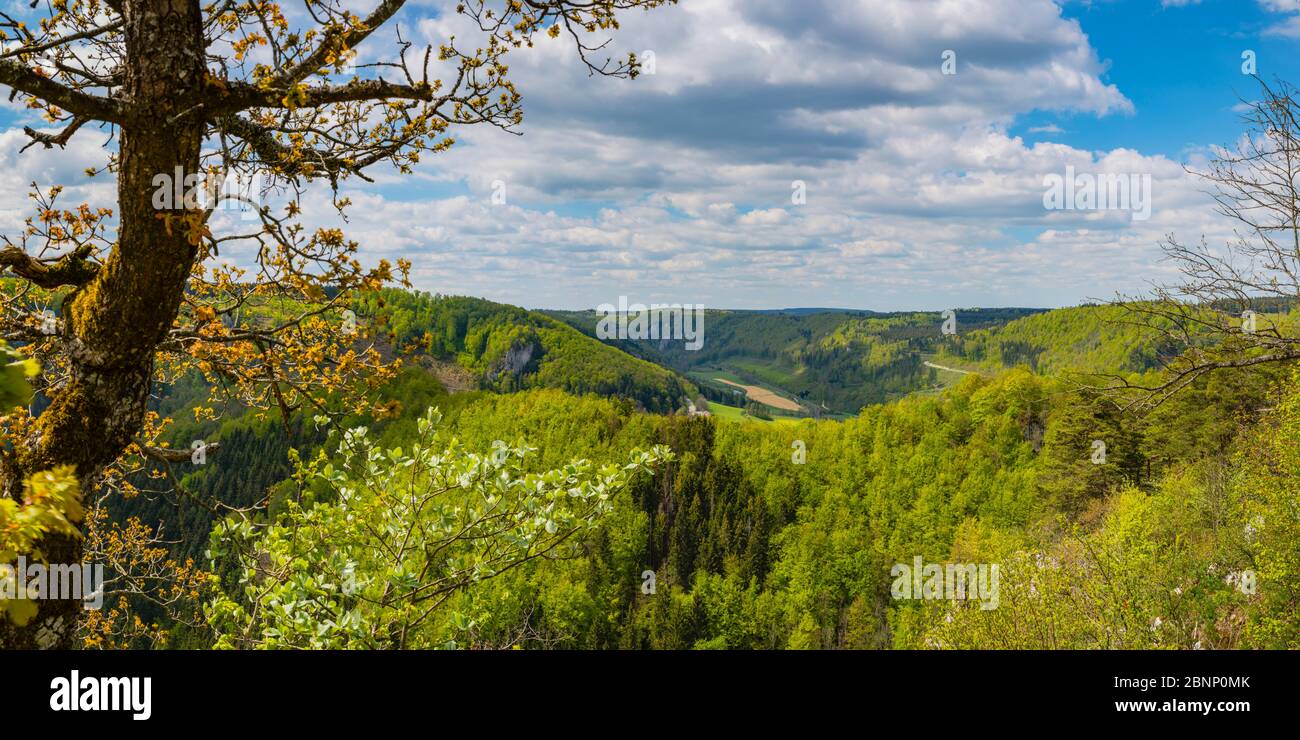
(749,545)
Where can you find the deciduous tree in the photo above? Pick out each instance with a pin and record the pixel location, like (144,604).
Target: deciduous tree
(191,94)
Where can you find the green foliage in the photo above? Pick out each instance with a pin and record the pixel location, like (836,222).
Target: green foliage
(15,369)
(396,534)
(1152,575)
(51,504)
(509,349)
(753,546)
(51,501)
(844,359)
(1090,448)
(752,550)
(1086,339)
(1268,484)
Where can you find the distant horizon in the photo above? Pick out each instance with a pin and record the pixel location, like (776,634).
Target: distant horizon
(822,309)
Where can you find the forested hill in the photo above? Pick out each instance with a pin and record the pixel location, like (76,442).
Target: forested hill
(498,348)
(751,548)
(507,348)
(783,535)
(839,360)
(1088,339)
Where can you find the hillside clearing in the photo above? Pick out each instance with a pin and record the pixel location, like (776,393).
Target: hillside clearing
(763,396)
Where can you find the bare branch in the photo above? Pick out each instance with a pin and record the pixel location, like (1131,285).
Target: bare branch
(25,80)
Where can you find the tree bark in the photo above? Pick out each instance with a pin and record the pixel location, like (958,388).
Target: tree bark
(113,324)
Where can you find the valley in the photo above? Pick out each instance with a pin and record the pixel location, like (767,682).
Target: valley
(755,548)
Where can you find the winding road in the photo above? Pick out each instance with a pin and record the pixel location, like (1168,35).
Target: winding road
(927,363)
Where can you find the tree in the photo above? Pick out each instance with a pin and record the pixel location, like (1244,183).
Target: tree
(1268,485)
(1088,451)
(1215,315)
(194,94)
(395,534)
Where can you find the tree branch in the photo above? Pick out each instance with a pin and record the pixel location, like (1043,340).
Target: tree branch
(48,139)
(332,43)
(273,153)
(28,81)
(73,268)
(243,96)
(168,455)
(38,48)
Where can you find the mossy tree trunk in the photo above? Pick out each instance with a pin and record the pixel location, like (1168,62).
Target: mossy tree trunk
(114,323)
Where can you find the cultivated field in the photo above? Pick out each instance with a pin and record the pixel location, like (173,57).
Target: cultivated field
(763,396)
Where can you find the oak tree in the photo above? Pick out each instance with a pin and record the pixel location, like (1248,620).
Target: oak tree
(112,298)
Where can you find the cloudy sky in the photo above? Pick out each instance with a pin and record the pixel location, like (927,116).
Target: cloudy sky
(924,190)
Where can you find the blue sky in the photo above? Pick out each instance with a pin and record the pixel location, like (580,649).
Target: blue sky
(1181,67)
(924,190)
